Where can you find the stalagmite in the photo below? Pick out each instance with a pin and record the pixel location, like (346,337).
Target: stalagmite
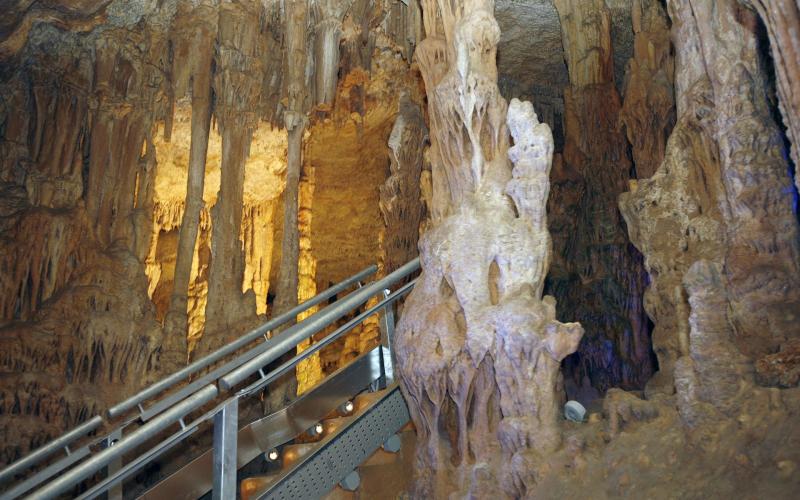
(725,228)
(478,348)
(176,322)
(593,246)
(237,85)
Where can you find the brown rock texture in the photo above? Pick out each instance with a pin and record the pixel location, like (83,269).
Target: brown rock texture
(401,197)
(142,160)
(781,369)
(478,348)
(782,19)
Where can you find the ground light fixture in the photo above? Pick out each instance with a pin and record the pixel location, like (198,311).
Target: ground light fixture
(316,430)
(347,407)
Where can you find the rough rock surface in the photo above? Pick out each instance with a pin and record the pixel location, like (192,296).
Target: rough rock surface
(723,207)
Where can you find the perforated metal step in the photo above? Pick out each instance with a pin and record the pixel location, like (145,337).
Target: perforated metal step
(343,451)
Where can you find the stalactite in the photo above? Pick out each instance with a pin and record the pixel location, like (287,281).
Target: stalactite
(602,279)
(328,31)
(478,349)
(648,111)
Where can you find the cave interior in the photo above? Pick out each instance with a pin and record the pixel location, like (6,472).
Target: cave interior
(602,193)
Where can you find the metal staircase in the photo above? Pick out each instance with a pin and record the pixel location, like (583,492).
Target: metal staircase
(314,443)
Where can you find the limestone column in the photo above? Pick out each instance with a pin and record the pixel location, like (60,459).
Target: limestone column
(296,121)
(177,318)
(478,348)
(237,84)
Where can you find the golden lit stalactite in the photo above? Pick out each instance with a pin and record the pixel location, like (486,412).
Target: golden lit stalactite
(309,372)
(257,237)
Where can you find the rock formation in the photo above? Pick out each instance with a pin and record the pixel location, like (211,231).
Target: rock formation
(177,319)
(478,348)
(781,20)
(401,198)
(732,245)
(131,131)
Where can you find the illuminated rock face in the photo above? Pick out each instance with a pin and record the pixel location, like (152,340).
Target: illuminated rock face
(478,348)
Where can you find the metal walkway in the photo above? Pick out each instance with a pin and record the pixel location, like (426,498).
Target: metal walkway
(206,396)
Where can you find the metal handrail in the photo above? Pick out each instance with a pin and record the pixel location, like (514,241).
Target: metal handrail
(174,439)
(62,442)
(234,346)
(320,344)
(178,405)
(96,462)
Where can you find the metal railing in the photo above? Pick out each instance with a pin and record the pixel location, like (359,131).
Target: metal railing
(174,408)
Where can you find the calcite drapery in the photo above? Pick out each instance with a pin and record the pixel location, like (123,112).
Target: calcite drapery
(478,348)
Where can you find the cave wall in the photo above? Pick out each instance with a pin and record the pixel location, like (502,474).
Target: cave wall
(723,250)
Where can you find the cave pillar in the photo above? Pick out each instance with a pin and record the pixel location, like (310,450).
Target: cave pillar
(177,318)
(478,348)
(762,260)
(296,121)
(237,85)
(715,220)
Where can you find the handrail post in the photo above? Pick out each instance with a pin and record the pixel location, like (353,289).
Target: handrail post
(115,492)
(226,429)
(387,338)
